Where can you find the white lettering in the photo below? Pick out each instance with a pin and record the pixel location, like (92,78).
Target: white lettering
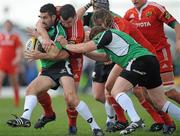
(143,24)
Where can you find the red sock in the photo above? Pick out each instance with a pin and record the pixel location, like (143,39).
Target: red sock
(155,116)
(167,119)
(45,101)
(72,116)
(16,96)
(119,111)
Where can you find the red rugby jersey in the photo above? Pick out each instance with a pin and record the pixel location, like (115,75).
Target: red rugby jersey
(150,20)
(123,25)
(9,42)
(75,34)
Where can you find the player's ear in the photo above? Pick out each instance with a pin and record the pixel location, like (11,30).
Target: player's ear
(54,17)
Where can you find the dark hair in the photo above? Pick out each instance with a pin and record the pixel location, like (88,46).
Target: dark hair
(104,15)
(50,8)
(95,30)
(67,11)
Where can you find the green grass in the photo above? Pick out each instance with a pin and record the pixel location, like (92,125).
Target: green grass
(59,127)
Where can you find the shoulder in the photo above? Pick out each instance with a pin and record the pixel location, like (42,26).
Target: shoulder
(156,6)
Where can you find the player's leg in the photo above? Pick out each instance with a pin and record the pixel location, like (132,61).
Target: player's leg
(169,125)
(160,101)
(72,99)
(38,85)
(49,115)
(99,76)
(158,121)
(99,80)
(155,88)
(76,64)
(169,87)
(121,122)
(2,76)
(119,92)
(167,76)
(15,84)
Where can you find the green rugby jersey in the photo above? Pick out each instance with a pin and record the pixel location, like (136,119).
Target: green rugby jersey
(120,47)
(53,33)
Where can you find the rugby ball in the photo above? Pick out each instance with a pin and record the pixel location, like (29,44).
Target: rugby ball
(34,44)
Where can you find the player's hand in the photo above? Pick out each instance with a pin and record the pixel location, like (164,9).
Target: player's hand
(32,55)
(62,41)
(32,32)
(47,43)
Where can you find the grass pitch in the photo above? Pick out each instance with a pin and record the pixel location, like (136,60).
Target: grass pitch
(59,127)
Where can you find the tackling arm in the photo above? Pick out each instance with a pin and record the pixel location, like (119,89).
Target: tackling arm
(97,56)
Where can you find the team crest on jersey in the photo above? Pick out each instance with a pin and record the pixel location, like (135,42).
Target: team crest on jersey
(167,15)
(148,14)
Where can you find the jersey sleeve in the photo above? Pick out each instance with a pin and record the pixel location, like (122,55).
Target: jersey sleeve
(103,39)
(164,15)
(126,16)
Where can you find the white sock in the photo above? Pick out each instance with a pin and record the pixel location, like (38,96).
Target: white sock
(126,103)
(172,109)
(110,112)
(29,105)
(84,111)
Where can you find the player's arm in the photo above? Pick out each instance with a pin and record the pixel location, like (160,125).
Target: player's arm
(35,55)
(44,37)
(81,11)
(97,56)
(167,18)
(41,30)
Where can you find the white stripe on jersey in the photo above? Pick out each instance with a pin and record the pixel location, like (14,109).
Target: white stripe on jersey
(160,7)
(74,30)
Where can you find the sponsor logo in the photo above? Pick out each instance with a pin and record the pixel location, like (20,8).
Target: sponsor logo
(139,72)
(143,24)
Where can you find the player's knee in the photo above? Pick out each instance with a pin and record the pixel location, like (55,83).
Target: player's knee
(31,90)
(72,100)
